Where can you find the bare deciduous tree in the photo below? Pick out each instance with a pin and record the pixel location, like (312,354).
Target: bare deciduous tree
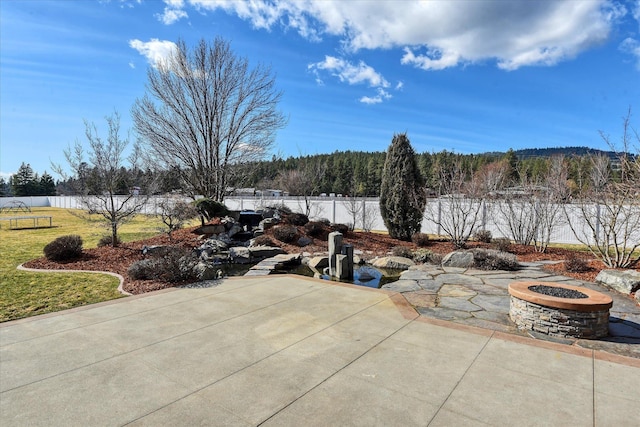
(304,183)
(105,163)
(609,207)
(174,212)
(205,110)
(457,210)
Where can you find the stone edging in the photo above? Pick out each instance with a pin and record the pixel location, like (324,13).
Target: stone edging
(116,275)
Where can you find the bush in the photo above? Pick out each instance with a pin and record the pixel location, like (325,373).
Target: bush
(263,240)
(340,228)
(502,244)
(107,240)
(483,236)
(420,239)
(316,229)
(576,264)
(285,233)
(422,255)
(64,248)
(295,219)
(402,251)
(491,259)
(209,208)
(173,266)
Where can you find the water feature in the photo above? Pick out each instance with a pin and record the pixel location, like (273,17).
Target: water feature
(364,275)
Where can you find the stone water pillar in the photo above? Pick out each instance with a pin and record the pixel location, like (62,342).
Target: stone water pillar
(344,263)
(335,248)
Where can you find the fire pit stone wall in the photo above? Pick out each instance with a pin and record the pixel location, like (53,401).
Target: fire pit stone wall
(562,317)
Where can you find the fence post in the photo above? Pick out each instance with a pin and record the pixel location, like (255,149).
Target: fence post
(439,214)
(333,211)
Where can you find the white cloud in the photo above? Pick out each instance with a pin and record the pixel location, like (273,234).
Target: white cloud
(632,47)
(399,85)
(440,34)
(156,51)
(172,15)
(132,65)
(350,73)
(381,96)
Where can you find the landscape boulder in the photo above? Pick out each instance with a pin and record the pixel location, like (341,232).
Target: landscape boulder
(625,281)
(261,252)
(394,262)
(240,255)
(205,271)
(319,262)
(459,259)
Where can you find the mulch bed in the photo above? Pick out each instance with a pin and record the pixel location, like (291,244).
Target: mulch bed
(118,260)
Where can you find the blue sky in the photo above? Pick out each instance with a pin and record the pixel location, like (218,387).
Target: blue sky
(465,76)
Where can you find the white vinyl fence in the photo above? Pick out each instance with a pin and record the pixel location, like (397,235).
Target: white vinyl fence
(337,210)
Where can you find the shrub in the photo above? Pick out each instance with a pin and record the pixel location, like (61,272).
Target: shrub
(483,236)
(316,229)
(576,264)
(402,195)
(491,259)
(172,266)
(285,233)
(209,208)
(420,239)
(263,240)
(340,228)
(402,251)
(64,248)
(107,240)
(295,219)
(502,244)
(422,255)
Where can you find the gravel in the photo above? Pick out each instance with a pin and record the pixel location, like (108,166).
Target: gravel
(557,292)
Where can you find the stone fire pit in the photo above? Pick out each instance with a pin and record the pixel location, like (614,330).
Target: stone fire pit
(559,310)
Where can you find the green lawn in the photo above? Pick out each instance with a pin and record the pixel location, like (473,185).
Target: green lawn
(24,294)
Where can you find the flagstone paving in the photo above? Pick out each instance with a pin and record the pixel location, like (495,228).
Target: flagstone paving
(481,298)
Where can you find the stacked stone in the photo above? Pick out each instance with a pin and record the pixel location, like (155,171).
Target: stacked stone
(559,322)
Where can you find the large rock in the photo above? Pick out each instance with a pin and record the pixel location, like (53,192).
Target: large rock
(210,229)
(240,255)
(206,271)
(319,262)
(625,281)
(458,259)
(395,262)
(265,251)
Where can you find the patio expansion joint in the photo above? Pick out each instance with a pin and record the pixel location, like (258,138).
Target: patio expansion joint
(153,343)
(278,352)
(341,369)
(461,378)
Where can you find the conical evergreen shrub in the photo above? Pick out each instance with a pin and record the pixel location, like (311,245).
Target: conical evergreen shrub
(402,193)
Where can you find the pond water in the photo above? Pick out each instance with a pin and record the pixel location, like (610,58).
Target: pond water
(364,275)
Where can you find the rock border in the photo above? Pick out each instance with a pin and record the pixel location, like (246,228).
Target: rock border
(21,267)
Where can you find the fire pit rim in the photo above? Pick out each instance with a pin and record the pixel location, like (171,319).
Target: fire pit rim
(595,301)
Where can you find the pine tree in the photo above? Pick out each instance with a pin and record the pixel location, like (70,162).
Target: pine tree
(402,196)
(23,182)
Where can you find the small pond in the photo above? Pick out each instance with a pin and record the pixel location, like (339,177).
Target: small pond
(364,275)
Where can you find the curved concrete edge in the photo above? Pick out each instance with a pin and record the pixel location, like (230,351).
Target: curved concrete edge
(108,273)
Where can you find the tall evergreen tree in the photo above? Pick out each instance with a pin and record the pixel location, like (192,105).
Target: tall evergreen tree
(402,195)
(23,182)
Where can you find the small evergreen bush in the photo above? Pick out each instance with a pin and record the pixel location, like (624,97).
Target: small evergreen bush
(483,236)
(64,248)
(296,219)
(316,229)
(402,251)
(209,208)
(422,255)
(576,264)
(420,239)
(340,228)
(263,240)
(491,259)
(285,233)
(502,244)
(172,266)
(107,240)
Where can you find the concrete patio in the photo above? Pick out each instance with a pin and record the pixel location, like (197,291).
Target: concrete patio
(286,350)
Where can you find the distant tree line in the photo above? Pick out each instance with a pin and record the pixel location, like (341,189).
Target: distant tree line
(354,173)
